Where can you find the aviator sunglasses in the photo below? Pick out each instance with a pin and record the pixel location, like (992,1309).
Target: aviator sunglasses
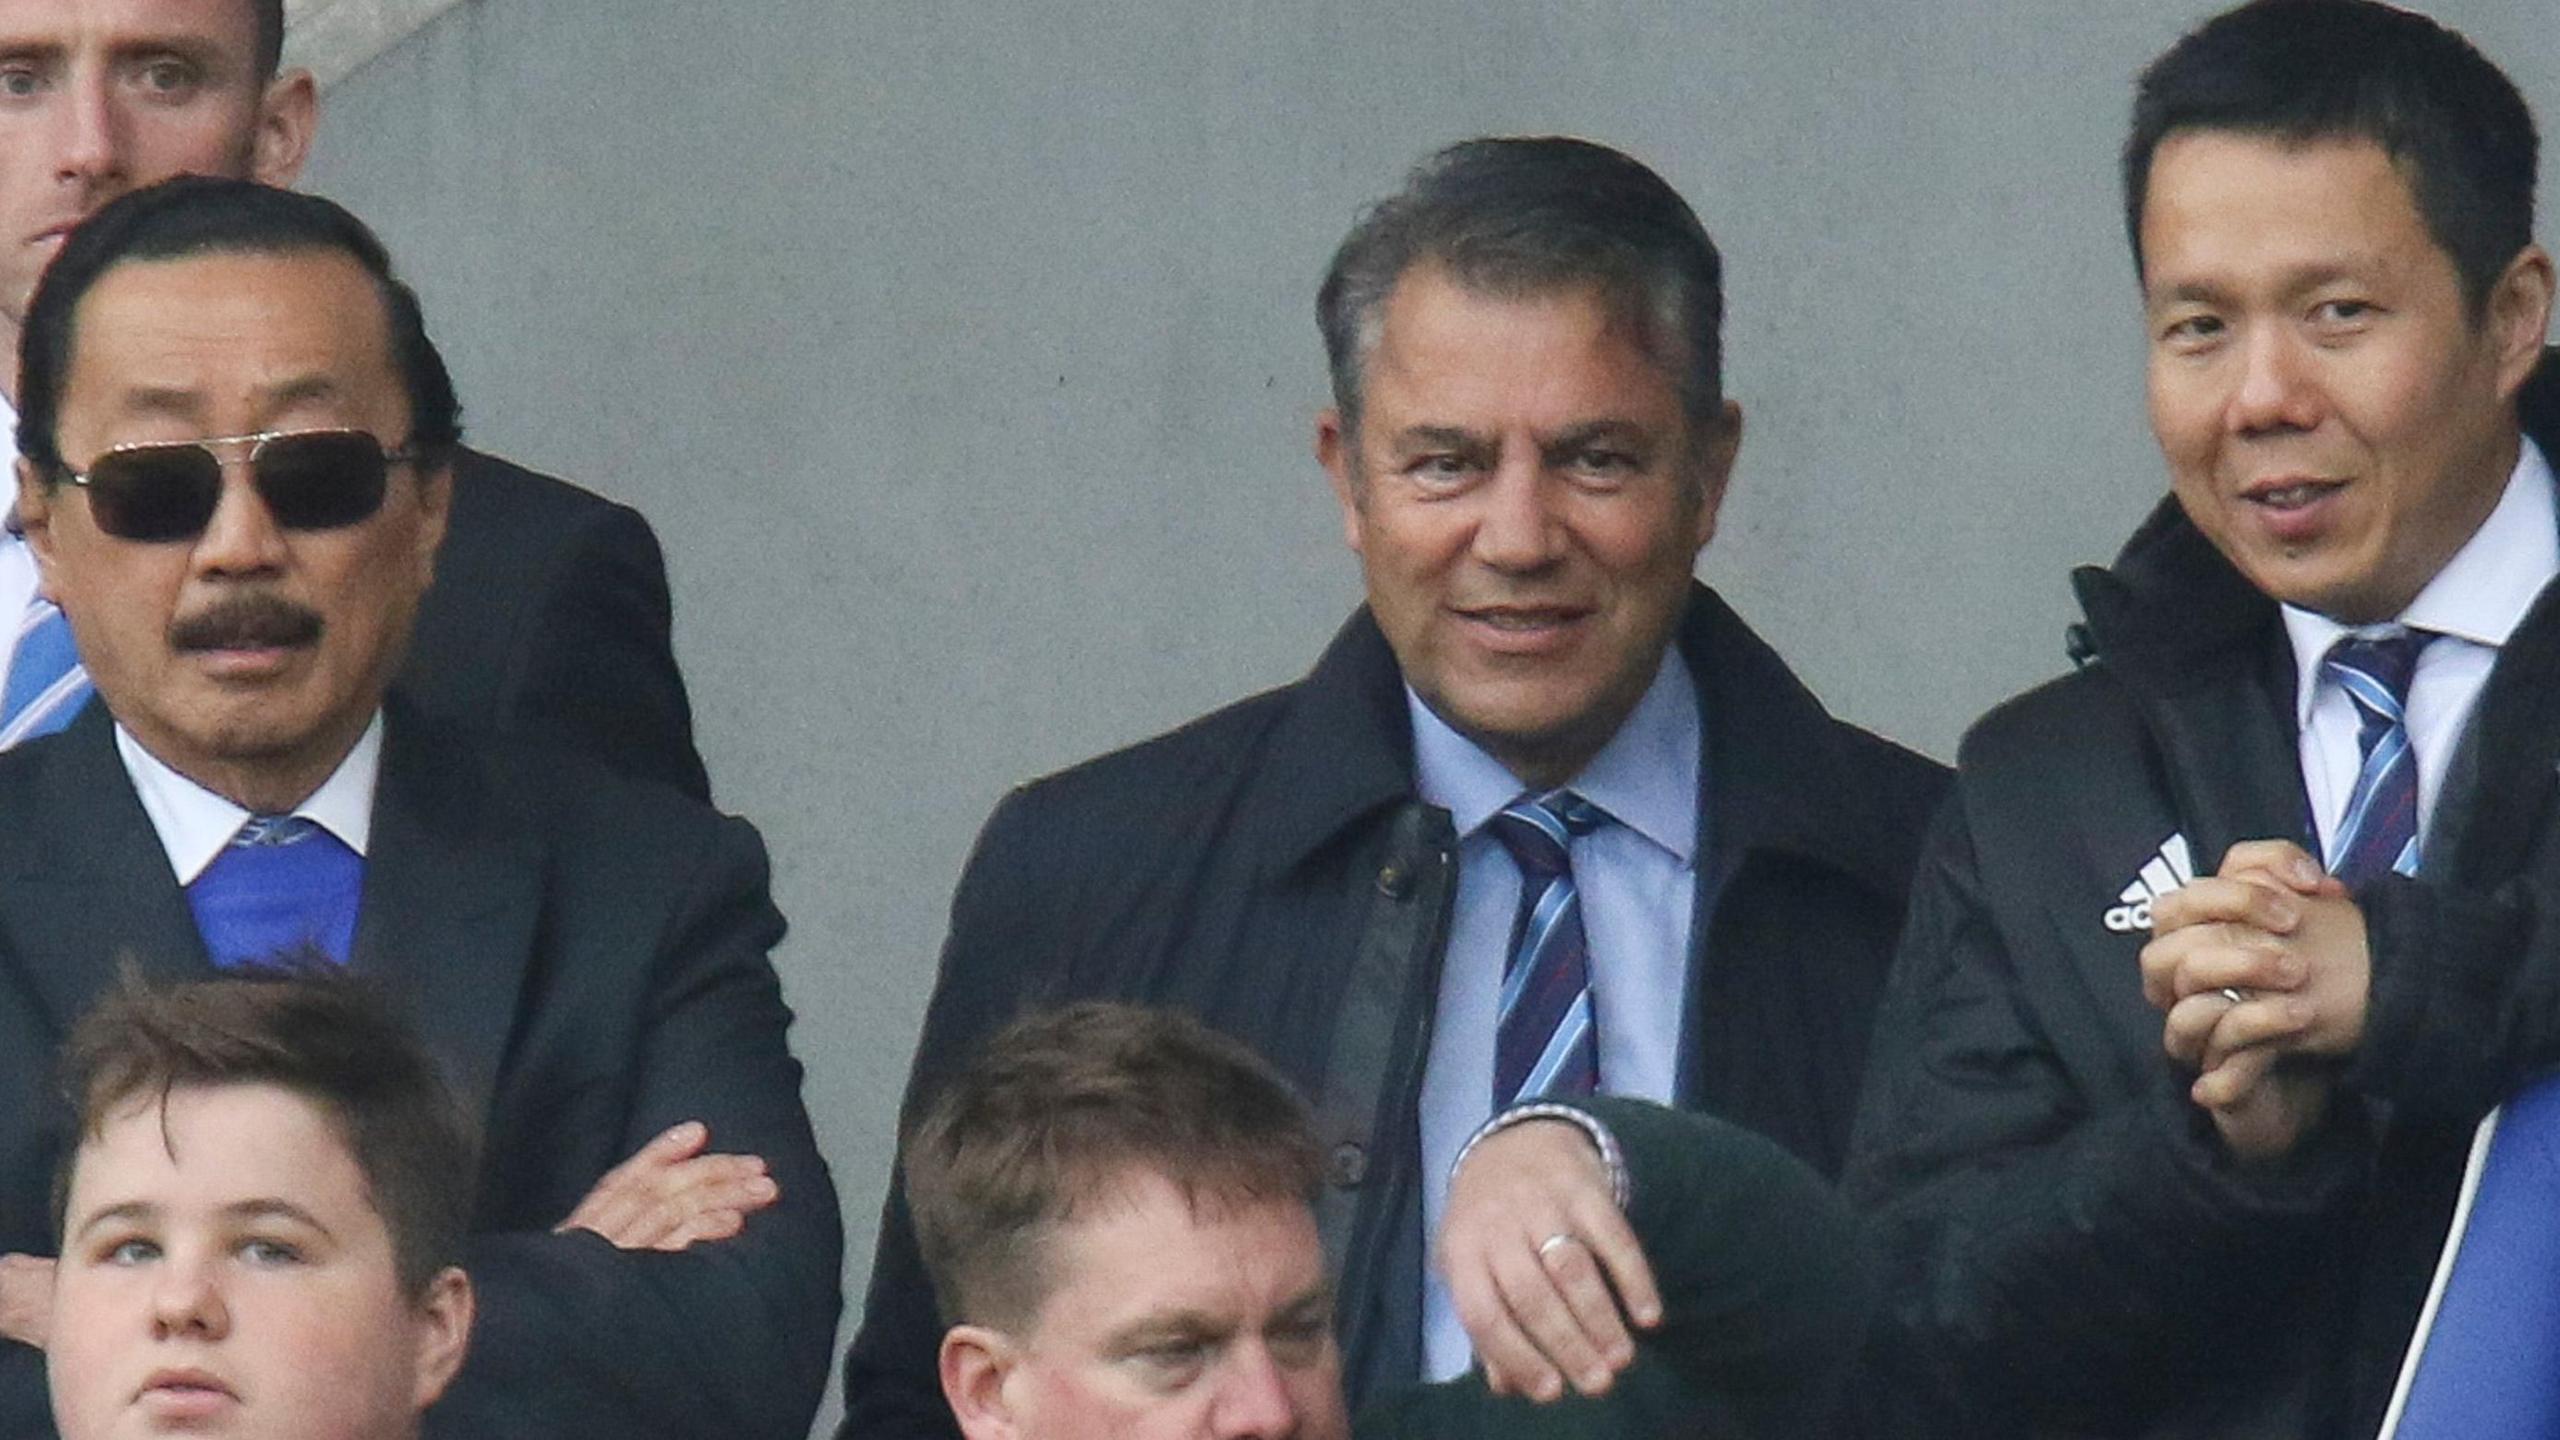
(308,480)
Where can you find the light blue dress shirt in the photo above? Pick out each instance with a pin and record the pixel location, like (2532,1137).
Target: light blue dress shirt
(1638,881)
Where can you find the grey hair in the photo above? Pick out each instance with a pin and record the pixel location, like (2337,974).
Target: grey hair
(1531,216)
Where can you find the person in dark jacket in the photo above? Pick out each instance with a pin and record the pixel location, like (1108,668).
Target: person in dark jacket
(1112,1202)
(1529,446)
(2228,941)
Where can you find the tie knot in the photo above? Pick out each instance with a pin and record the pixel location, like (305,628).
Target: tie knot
(1538,829)
(271,830)
(2376,670)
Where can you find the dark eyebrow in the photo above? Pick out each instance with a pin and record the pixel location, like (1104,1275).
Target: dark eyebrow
(1612,430)
(275,1208)
(1437,437)
(1156,1329)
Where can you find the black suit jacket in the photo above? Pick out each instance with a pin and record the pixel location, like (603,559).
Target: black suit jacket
(588,957)
(549,616)
(1271,869)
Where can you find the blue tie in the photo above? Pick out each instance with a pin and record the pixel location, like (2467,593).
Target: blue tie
(47,684)
(281,887)
(2379,833)
(1547,1042)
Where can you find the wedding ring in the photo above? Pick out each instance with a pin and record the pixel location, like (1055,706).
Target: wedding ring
(2235,994)
(1555,1242)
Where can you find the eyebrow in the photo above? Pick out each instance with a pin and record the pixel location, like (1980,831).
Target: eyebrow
(264,1207)
(186,404)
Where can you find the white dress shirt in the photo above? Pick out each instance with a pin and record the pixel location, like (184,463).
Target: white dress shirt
(1637,879)
(2473,604)
(194,823)
(17,562)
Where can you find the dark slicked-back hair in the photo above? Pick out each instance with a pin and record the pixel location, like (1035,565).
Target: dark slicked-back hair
(1534,216)
(194,215)
(1058,1112)
(270,53)
(2310,70)
(307,1028)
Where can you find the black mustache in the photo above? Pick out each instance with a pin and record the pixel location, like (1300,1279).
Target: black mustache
(253,621)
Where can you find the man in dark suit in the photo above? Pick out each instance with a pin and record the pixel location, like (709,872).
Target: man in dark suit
(553,616)
(237,439)
(1546,817)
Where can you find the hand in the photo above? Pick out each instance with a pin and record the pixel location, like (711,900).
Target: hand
(1540,1311)
(26,1299)
(2296,951)
(671,1195)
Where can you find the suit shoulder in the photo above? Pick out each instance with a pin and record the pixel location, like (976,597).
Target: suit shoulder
(2045,725)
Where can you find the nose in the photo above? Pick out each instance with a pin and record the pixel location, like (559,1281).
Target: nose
(1515,528)
(187,1300)
(1254,1401)
(2277,390)
(242,538)
(89,138)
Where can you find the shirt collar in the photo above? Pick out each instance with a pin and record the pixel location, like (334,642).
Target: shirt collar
(194,823)
(1646,777)
(2480,595)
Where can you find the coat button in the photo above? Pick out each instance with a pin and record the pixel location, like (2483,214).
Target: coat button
(1348,1165)
(1395,881)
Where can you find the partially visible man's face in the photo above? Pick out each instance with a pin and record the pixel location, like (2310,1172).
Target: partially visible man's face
(2333,419)
(1528,501)
(250,650)
(98,97)
(1168,1323)
(224,1272)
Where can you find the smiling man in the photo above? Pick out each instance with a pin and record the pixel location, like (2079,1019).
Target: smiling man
(264,1219)
(2232,940)
(1546,817)
(238,439)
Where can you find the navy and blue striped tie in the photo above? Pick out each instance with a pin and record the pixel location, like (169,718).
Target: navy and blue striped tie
(47,684)
(2378,835)
(1547,1041)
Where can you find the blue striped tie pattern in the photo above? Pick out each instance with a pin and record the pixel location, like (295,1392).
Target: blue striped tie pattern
(2379,833)
(1547,1042)
(47,683)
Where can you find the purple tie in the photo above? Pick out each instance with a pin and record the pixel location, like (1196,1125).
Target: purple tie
(1546,1042)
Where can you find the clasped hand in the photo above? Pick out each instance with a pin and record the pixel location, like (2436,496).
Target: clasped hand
(2262,972)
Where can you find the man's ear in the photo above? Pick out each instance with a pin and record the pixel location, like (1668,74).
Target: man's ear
(35,519)
(1715,472)
(444,1332)
(2519,317)
(287,114)
(435,509)
(1335,447)
(976,1363)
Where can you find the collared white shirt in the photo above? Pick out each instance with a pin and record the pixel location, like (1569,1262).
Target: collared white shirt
(2473,604)
(17,562)
(1637,879)
(194,823)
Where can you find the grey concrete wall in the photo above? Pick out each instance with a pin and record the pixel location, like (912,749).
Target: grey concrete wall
(963,355)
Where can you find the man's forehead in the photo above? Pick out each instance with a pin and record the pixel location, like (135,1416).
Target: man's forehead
(125,24)
(267,330)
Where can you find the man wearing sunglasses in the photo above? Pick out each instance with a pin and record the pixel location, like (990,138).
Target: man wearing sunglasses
(237,446)
(554,613)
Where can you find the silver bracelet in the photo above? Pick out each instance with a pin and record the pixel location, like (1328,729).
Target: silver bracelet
(1612,1158)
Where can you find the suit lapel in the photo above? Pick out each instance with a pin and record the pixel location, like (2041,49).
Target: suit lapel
(452,896)
(85,886)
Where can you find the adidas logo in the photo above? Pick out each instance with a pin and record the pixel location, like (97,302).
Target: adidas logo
(2169,870)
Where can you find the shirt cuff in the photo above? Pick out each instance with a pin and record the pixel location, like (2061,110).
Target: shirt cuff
(1612,1159)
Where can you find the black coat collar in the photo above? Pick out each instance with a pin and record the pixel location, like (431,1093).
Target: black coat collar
(1341,753)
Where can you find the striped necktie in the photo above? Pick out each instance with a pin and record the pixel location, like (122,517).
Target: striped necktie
(1547,1042)
(47,683)
(2378,835)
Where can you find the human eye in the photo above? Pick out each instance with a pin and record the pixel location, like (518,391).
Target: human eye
(171,77)
(2191,330)
(1172,1363)
(125,1250)
(21,78)
(2344,314)
(1606,464)
(1299,1342)
(268,1252)
(1441,470)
